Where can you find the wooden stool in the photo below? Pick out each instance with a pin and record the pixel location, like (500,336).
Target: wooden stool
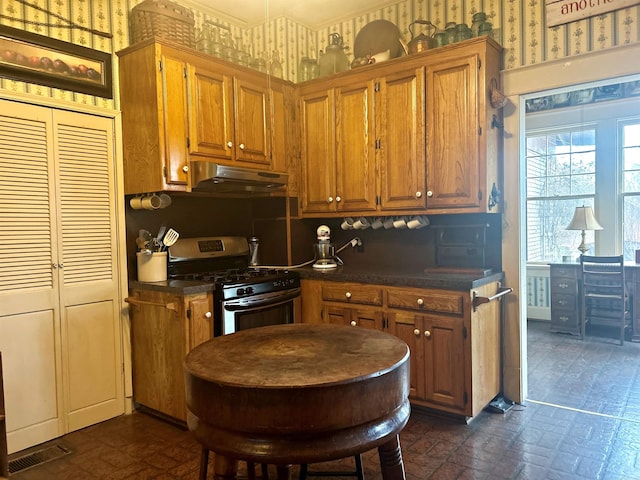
(298,394)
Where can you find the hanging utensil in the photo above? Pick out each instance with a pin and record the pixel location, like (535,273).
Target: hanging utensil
(161,232)
(170,238)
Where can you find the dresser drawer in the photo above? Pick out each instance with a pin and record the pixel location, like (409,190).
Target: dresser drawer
(565,271)
(425,300)
(564,285)
(564,302)
(352,293)
(565,321)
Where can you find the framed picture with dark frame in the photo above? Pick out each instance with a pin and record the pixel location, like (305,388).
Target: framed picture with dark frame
(34,58)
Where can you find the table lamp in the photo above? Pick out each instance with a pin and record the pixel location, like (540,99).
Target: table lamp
(584,219)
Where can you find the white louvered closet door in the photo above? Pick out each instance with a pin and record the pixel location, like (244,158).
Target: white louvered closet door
(59,315)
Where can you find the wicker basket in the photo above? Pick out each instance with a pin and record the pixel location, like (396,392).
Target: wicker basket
(163,19)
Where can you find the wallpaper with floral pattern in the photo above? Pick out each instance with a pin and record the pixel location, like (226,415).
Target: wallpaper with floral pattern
(519,26)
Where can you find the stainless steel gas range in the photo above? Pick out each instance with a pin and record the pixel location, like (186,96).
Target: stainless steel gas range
(244,296)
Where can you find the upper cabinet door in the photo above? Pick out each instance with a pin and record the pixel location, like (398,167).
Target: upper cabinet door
(174,101)
(253,121)
(318,152)
(401,135)
(453,134)
(210,113)
(355,144)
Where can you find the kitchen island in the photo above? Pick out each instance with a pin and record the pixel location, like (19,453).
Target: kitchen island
(451,322)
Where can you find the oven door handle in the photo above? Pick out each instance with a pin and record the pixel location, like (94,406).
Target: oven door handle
(261,301)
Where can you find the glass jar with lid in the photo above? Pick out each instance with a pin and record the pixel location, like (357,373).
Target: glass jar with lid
(450,32)
(462,32)
(477,19)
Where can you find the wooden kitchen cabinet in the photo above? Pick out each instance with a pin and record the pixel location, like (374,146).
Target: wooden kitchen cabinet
(415,133)
(350,304)
(180,105)
(463,130)
(455,350)
(164,328)
(357,156)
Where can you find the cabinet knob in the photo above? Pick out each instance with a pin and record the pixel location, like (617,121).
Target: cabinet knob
(330,199)
(229,144)
(418,194)
(348,294)
(429,193)
(353,323)
(427,333)
(338,198)
(208,315)
(416,332)
(241,146)
(420,302)
(185,169)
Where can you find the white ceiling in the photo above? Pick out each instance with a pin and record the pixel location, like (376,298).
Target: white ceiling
(311,13)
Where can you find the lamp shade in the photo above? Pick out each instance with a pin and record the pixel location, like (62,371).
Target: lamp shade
(584,219)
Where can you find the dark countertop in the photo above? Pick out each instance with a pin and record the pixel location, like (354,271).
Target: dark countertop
(419,279)
(177,287)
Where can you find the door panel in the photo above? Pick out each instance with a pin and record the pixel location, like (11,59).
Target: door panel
(452,93)
(355,142)
(318,152)
(210,113)
(444,349)
(402,141)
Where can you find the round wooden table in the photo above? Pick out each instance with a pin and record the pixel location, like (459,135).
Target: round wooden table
(298,394)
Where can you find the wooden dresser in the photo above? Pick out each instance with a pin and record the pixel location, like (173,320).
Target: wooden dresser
(565,298)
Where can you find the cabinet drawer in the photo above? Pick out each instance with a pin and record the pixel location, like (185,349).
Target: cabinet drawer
(426,300)
(564,302)
(565,321)
(562,271)
(564,285)
(352,293)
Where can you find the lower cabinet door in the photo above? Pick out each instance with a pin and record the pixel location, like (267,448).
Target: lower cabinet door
(444,361)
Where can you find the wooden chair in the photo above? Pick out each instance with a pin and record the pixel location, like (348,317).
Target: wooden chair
(604,297)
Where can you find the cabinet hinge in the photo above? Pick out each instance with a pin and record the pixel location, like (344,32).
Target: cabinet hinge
(160,65)
(376,87)
(184,73)
(479,64)
(189,313)
(378,201)
(479,131)
(479,195)
(465,398)
(378,144)
(164,171)
(464,332)
(188,143)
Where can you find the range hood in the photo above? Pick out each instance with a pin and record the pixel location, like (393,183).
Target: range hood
(213,177)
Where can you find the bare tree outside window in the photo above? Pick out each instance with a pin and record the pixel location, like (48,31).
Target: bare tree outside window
(561,166)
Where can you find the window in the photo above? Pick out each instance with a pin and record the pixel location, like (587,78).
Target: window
(583,155)
(630,142)
(561,175)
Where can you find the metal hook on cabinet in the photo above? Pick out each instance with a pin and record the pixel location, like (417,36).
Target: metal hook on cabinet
(495,123)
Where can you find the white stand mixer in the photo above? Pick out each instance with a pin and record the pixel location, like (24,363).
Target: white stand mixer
(325,251)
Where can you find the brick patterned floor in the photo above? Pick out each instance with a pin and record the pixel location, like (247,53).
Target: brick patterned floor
(531,441)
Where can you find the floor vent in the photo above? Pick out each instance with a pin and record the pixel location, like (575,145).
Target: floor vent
(37,458)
